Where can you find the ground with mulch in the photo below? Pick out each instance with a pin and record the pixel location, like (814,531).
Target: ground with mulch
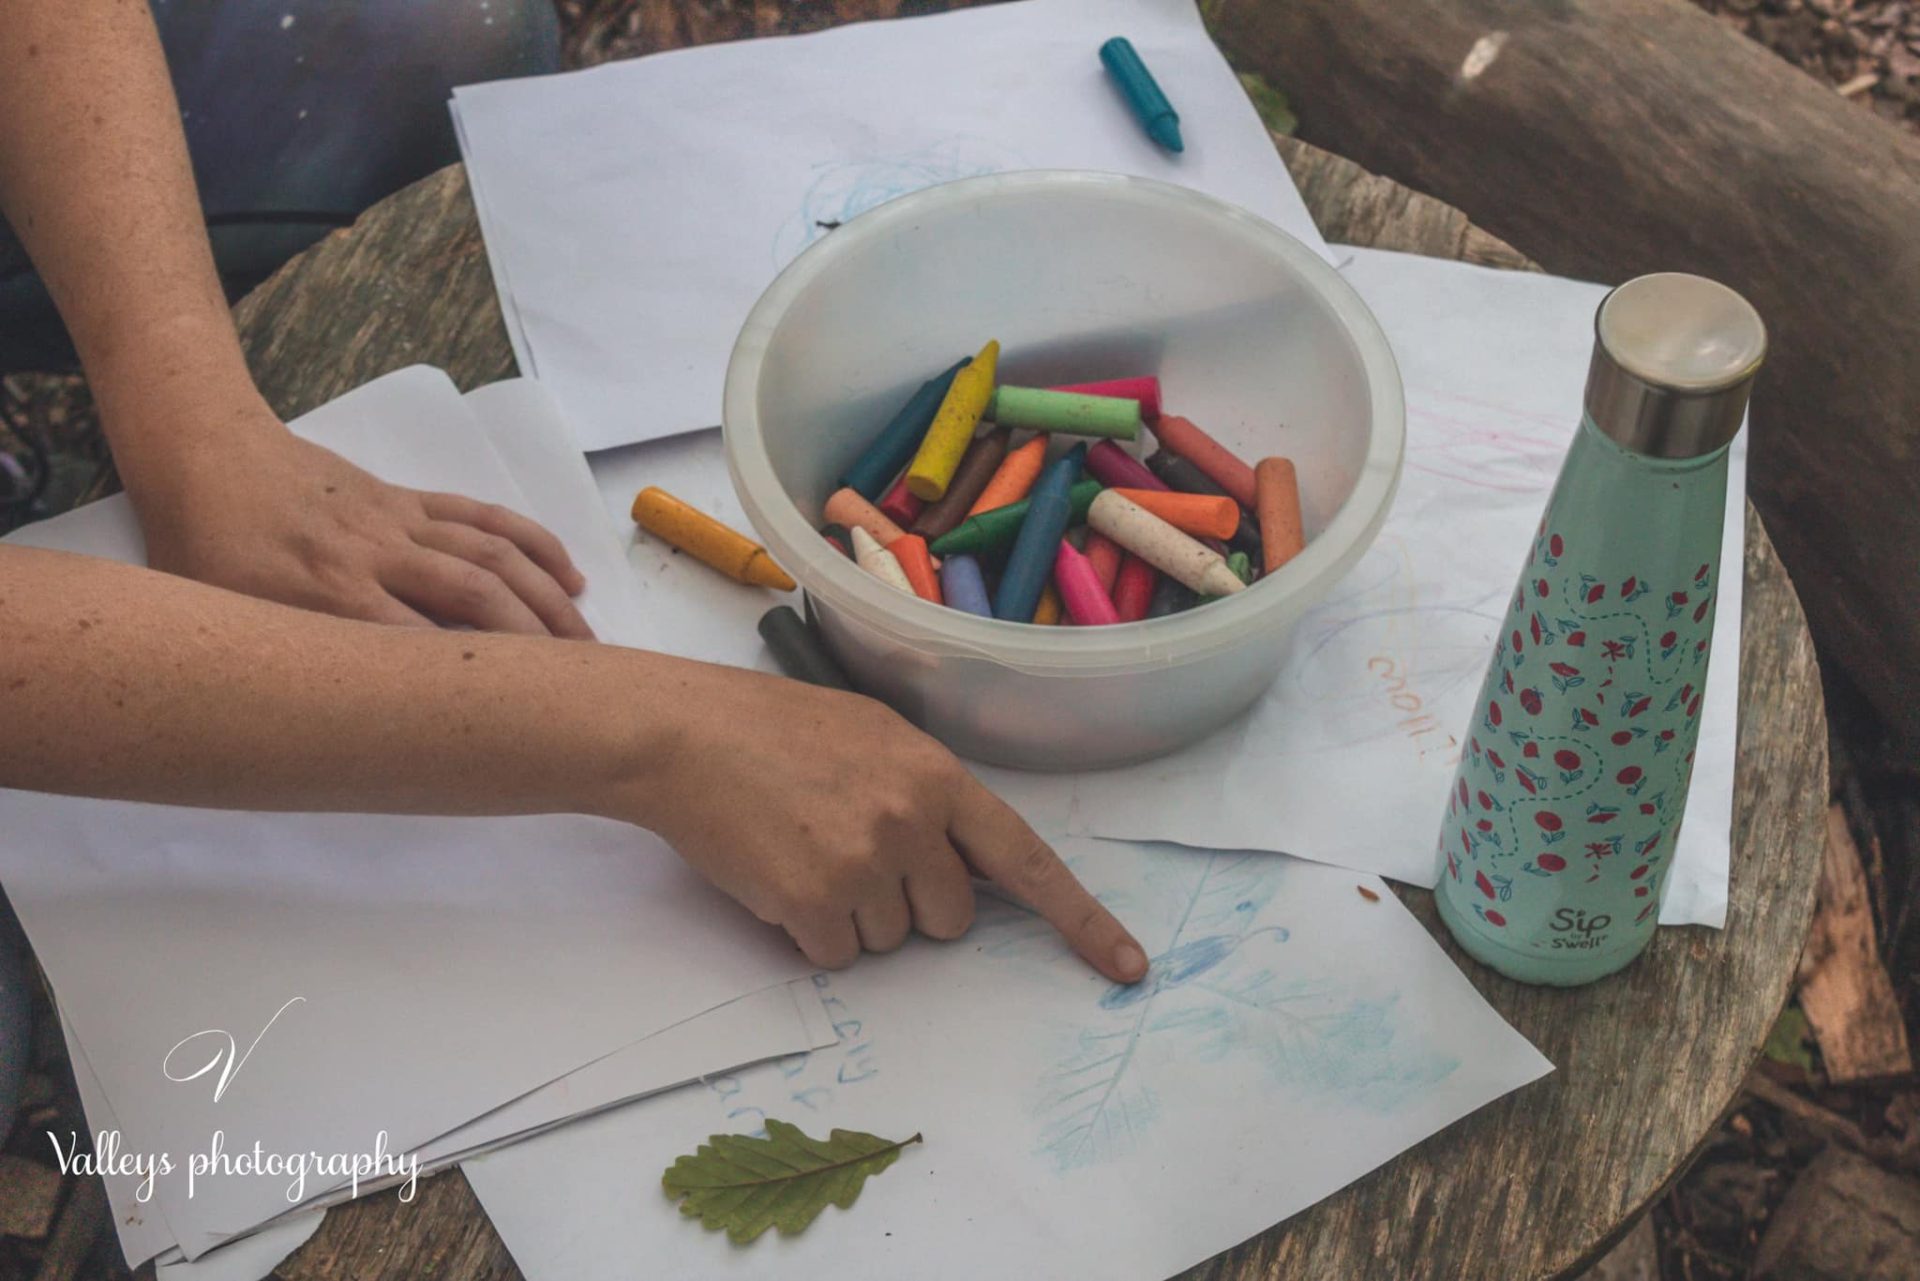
(1823,1151)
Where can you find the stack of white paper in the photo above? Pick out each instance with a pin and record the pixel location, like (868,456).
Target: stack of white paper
(633,212)
(353,984)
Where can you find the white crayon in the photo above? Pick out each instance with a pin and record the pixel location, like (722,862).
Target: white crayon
(878,561)
(1192,564)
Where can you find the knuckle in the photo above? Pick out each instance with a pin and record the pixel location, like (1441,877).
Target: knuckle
(473,589)
(1035,863)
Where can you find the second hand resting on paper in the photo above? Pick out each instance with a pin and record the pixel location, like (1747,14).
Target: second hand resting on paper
(824,813)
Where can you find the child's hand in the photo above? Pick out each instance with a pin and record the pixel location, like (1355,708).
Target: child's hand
(830,816)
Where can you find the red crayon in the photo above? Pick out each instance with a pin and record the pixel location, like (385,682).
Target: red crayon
(1104,555)
(1145,389)
(1133,590)
(1115,468)
(1220,464)
(1087,604)
(901,507)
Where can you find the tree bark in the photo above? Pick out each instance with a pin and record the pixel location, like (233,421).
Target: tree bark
(1606,138)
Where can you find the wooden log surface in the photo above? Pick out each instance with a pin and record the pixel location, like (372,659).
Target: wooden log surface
(1606,138)
(1536,1185)
(1844,1219)
(1845,990)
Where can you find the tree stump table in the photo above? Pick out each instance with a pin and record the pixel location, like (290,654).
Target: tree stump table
(1538,1184)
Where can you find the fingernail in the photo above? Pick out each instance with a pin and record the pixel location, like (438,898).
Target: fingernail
(1130,961)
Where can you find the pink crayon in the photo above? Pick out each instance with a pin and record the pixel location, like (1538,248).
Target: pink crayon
(1079,585)
(1145,389)
(1115,468)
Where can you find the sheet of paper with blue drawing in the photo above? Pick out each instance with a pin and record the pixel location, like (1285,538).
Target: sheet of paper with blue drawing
(1291,1036)
(633,212)
(1348,756)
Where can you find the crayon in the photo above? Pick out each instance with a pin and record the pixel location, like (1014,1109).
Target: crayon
(1047,612)
(1201,515)
(1086,602)
(894,447)
(848,508)
(1209,455)
(1104,555)
(1171,596)
(1145,389)
(977,467)
(1115,468)
(911,552)
(953,426)
(878,561)
(900,506)
(1161,545)
(707,540)
(1049,510)
(839,539)
(1133,591)
(1016,476)
(1188,479)
(1142,92)
(1277,487)
(964,586)
(1068,413)
(1242,566)
(991,531)
(799,650)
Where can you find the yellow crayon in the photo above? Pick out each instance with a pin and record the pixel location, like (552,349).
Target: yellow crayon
(933,466)
(1050,609)
(706,539)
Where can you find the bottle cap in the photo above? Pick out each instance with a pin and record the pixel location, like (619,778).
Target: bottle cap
(1674,357)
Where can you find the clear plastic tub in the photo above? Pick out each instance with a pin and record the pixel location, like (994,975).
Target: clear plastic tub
(1080,276)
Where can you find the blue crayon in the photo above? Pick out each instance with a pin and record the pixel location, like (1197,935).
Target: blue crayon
(894,447)
(1157,115)
(963,586)
(1049,510)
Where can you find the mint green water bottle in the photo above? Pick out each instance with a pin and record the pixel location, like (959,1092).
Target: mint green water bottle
(1562,818)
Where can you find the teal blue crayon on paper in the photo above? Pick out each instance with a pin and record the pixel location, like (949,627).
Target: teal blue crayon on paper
(1143,94)
(1066,413)
(894,447)
(1030,563)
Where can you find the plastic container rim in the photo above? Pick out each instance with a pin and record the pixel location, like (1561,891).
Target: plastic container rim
(941,632)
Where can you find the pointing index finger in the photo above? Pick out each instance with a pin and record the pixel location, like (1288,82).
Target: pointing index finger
(1000,847)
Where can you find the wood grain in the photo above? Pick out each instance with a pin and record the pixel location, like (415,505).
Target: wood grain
(1537,1184)
(1845,991)
(1607,138)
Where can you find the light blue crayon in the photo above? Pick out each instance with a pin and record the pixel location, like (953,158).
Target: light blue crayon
(963,586)
(1049,511)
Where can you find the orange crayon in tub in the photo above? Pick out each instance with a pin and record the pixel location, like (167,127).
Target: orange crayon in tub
(707,540)
(1015,478)
(1220,464)
(911,551)
(1201,515)
(1277,489)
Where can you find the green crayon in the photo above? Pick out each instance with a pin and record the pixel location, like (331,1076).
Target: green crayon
(1242,566)
(994,531)
(1067,413)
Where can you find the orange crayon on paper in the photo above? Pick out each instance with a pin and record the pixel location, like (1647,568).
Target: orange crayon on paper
(953,426)
(1014,479)
(1220,464)
(911,551)
(707,540)
(1202,515)
(1277,488)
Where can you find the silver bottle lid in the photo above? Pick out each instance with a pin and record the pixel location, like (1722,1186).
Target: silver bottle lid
(1674,357)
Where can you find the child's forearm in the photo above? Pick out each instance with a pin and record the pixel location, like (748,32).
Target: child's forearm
(126,683)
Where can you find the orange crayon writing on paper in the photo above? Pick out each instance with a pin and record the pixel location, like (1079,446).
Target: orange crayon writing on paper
(1202,515)
(707,540)
(1278,493)
(911,551)
(1220,464)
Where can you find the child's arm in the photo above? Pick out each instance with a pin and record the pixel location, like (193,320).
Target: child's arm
(94,179)
(822,812)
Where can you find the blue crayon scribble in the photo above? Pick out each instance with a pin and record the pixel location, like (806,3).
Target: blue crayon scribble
(842,192)
(1219,986)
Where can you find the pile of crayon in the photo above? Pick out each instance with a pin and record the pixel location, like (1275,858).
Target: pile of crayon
(969,519)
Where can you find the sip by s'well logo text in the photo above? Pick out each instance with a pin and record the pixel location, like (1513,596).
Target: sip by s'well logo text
(212,1059)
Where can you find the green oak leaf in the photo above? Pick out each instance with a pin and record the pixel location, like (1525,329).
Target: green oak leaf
(747,1185)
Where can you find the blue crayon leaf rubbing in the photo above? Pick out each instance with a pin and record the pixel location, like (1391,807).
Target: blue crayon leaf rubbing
(746,1185)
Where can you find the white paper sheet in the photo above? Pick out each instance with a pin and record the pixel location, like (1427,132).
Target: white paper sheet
(633,212)
(426,953)
(1347,759)
(1291,1037)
